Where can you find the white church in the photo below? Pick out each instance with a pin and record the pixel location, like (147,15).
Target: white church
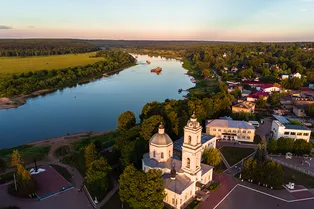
(182,179)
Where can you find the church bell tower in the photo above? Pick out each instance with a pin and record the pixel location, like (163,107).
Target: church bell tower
(191,149)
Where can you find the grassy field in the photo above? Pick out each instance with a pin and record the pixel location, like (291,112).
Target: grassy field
(235,154)
(10,65)
(27,152)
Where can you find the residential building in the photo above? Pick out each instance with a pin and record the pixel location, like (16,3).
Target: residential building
(253,97)
(234,69)
(284,76)
(311,86)
(302,99)
(233,130)
(295,75)
(269,88)
(246,92)
(247,107)
(299,110)
(288,130)
(182,178)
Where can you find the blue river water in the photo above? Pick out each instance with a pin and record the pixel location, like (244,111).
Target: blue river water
(94,106)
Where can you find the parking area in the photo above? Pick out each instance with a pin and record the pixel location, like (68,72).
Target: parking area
(243,198)
(265,128)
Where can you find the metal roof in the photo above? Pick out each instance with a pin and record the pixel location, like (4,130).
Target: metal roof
(229,124)
(281,119)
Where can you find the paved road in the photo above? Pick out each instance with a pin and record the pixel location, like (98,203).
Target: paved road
(242,198)
(264,128)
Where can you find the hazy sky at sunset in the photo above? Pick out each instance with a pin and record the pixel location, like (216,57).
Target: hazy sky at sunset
(236,20)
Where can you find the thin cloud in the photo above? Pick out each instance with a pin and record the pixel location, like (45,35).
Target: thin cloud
(4,27)
(31,26)
(304,9)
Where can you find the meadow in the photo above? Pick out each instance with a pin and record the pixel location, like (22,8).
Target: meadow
(9,65)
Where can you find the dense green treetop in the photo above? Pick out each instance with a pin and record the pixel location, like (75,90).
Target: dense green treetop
(212,156)
(126,121)
(142,190)
(37,47)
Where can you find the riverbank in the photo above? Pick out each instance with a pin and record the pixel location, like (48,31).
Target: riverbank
(19,100)
(16,101)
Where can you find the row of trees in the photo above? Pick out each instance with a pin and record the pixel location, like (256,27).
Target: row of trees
(267,173)
(26,83)
(284,145)
(39,47)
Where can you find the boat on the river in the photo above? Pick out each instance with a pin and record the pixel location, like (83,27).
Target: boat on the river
(148,62)
(179,91)
(156,70)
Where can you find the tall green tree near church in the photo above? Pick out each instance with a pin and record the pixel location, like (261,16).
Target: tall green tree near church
(142,190)
(90,154)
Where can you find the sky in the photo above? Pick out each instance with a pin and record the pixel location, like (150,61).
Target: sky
(209,20)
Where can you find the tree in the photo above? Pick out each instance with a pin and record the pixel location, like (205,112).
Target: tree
(272,146)
(285,145)
(3,165)
(132,153)
(301,147)
(310,110)
(261,153)
(261,102)
(149,126)
(249,168)
(97,175)
(212,156)
(16,158)
(90,154)
(126,121)
(25,182)
(149,184)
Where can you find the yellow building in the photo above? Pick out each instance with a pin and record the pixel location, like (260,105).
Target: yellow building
(233,130)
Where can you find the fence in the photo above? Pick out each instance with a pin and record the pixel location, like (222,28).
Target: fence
(292,166)
(89,197)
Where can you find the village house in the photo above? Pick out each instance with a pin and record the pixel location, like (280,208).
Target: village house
(269,88)
(295,75)
(284,76)
(247,107)
(299,110)
(253,97)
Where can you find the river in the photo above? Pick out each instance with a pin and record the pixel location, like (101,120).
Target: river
(94,106)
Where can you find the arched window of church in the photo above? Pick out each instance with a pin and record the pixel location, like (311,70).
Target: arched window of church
(188,162)
(162,155)
(154,153)
(169,153)
(189,139)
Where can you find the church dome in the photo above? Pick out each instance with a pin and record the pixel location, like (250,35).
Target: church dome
(160,138)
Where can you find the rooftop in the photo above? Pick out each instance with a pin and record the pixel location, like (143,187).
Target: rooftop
(296,127)
(179,184)
(281,119)
(177,145)
(229,124)
(247,105)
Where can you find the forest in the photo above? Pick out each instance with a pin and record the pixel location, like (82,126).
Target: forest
(40,47)
(26,83)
